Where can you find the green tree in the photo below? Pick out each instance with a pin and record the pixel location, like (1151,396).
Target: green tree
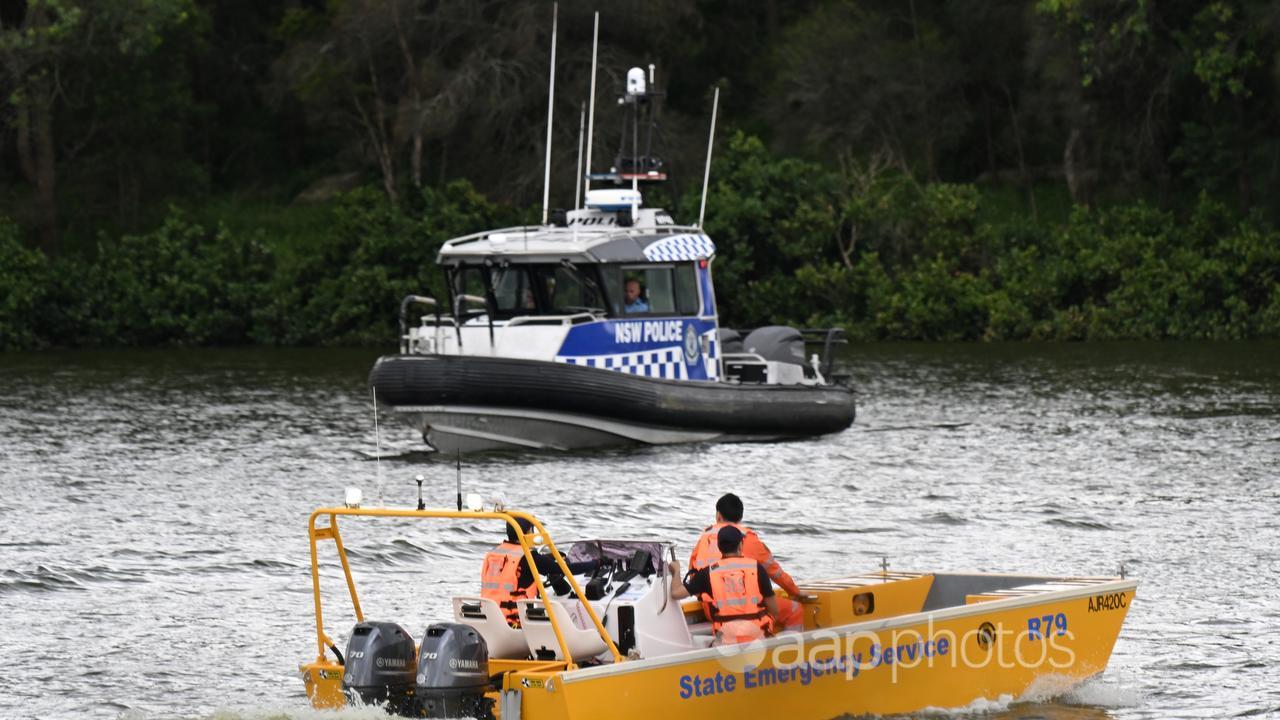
(878,76)
(56,57)
(768,218)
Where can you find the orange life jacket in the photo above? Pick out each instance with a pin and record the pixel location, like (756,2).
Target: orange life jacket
(706,551)
(500,579)
(735,593)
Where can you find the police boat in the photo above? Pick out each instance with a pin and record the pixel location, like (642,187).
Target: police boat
(612,643)
(600,327)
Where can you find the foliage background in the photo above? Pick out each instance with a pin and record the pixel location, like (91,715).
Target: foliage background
(203,173)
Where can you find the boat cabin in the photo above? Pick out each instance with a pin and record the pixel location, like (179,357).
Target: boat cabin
(560,293)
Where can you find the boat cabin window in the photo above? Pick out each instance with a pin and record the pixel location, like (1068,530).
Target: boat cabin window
(469,281)
(572,289)
(515,290)
(686,290)
(664,289)
(512,292)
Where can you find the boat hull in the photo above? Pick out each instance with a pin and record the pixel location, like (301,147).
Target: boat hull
(898,665)
(470,403)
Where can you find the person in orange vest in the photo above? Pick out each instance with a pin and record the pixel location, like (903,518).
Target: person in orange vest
(735,588)
(506,578)
(705,552)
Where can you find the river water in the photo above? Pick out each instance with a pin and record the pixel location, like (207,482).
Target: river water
(153,507)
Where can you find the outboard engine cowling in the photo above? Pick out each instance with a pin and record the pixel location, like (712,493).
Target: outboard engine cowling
(380,664)
(777,343)
(453,673)
(730,340)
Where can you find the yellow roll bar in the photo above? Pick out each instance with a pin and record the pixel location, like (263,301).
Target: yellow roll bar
(511,517)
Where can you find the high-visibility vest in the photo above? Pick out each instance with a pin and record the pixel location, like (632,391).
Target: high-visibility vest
(706,551)
(500,579)
(735,593)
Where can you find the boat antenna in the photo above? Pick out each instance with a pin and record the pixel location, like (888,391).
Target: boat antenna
(551,100)
(648,142)
(706,174)
(377,439)
(635,174)
(459,479)
(582,124)
(591,114)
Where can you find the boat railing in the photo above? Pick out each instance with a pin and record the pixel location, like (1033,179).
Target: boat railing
(574,319)
(408,301)
(829,337)
(459,313)
(413,339)
(571,231)
(519,229)
(537,535)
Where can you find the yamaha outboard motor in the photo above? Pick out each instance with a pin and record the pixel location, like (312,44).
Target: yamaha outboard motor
(453,673)
(776,343)
(380,666)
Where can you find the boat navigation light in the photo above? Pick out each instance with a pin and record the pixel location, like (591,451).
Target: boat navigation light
(354,496)
(499,502)
(475,503)
(635,81)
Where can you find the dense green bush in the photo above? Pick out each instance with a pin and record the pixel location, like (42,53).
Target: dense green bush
(883,257)
(179,284)
(925,267)
(347,289)
(24,289)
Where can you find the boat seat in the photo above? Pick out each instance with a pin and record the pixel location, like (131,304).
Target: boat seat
(579,632)
(487,618)
(702,628)
(701,635)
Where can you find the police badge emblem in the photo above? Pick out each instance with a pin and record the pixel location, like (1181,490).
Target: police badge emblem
(690,345)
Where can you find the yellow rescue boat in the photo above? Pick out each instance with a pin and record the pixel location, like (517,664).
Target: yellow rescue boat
(879,642)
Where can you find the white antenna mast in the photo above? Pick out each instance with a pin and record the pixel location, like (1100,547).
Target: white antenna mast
(551,99)
(591,115)
(582,124)
(706,175)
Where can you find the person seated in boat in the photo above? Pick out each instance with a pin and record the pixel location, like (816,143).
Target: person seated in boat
(632,294)
(729,510)
(506,578)
(735,588)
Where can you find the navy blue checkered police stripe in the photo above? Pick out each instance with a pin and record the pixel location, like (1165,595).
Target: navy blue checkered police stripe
(681,247)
